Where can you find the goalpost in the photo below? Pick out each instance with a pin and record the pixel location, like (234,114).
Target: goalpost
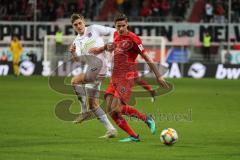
(53,53)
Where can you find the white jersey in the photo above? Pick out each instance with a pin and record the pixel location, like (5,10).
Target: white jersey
(92,37)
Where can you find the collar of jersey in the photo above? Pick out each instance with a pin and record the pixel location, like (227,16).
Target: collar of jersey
(83,36)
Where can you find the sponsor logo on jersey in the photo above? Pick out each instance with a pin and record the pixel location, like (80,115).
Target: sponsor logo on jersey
(89,35)
(125,45)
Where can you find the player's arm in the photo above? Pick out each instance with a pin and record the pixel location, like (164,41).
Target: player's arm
(72,50)
(97,50)
(139,47)
(153,67)
(103,31)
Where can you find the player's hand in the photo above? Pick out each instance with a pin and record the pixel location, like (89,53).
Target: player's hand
(162,82)
(110,47)
(72,50)
(96,50)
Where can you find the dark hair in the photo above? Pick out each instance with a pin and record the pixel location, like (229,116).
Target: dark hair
(120,17)
(76,16)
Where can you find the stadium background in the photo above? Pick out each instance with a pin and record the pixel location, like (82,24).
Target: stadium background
(203,109)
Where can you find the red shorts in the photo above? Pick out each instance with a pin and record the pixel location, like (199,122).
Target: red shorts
(121,90)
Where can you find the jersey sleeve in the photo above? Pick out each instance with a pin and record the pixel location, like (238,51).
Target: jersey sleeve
(137,45)
(103,30)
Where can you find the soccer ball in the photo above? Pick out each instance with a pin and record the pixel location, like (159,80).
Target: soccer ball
(168,136)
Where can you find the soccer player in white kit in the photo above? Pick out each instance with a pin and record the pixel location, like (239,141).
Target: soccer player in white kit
(90,37)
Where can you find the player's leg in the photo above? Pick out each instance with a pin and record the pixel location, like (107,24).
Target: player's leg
(79,89)
(146,86)
(81,95)
(79,79)
(93,93)
(16,66)
(88,77)
(129,111)
(114,110)
(205,53)
(102,117)
(90,73)
(143,84)
(94,66)
(132,112)
(208,53)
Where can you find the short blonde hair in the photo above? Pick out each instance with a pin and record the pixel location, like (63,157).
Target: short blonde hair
(76,16)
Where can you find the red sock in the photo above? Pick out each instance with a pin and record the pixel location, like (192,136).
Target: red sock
(145,85)
(122,123)
(130,111)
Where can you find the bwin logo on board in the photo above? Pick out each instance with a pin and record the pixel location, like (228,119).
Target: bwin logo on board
(229,73)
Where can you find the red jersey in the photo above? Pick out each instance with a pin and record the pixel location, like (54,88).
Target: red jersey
(127,48)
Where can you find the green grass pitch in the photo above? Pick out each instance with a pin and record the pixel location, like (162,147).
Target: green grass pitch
(205,113)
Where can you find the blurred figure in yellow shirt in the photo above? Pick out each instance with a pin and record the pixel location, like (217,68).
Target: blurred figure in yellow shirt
(16,50)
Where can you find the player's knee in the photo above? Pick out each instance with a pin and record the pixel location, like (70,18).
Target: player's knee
(113,108)
(108,100)
(81,78)
(112,104)
(108,103)
(77,80)
(73,82)
(92,107)
(109,111)
(93,103)
(113,113)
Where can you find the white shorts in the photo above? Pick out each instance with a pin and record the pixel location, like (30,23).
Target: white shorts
(93,89)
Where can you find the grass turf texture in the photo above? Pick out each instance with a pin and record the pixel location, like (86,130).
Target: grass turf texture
(205,114)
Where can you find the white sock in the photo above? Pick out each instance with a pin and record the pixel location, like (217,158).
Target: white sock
(108,125)
(102,117)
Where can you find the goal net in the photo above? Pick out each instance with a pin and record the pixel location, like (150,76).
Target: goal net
(56,54)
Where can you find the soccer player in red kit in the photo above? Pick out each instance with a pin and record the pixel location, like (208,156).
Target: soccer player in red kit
(127,46)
